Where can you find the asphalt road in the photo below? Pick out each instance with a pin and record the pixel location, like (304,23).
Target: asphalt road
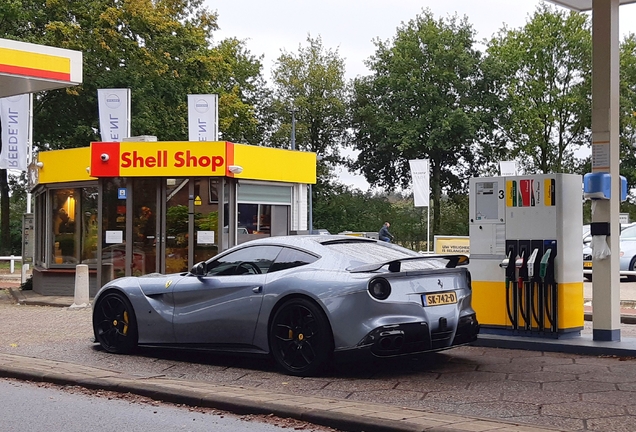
(75,410)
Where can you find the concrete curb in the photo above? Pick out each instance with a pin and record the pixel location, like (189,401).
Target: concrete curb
(340,414)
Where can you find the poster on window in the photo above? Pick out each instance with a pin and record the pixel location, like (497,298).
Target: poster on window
(205,237)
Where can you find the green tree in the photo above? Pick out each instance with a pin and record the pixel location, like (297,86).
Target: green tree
(311,83)
(422,101)
(340,208)
(545,77)
(162,50)
(628,109)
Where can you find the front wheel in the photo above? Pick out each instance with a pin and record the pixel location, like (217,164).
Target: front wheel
(115,324)
(300,338)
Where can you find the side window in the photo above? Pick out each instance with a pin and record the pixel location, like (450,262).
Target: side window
(290,258)
(629,233)
(246,261)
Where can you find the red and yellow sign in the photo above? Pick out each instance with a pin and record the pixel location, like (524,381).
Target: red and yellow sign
(163,159)
(176,159)
(204,159)
(35,65)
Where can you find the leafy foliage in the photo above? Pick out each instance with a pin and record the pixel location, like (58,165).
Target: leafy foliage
(421,102)
(545,74)
(162,50)
(311,83)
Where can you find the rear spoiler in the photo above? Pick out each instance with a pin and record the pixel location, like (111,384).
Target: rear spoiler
(396,265)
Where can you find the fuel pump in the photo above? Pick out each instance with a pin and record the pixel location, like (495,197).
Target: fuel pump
(516,224)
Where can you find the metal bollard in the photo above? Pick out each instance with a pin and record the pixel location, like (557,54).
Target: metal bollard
(81,287)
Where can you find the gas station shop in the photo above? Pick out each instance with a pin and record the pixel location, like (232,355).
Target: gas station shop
(134,208)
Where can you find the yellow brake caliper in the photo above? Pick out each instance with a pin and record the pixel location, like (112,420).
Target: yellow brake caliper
(125,330)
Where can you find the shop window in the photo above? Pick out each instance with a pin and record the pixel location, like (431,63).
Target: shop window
(73,226)
(41,229)
(65,237)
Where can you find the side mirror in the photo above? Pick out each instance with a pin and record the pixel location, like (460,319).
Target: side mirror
(198,269)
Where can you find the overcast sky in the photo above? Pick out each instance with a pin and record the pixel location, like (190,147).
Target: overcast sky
(350,25)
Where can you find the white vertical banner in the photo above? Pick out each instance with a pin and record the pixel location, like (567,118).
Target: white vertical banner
(421,189)
(114,114)
(14,120)
(203,117)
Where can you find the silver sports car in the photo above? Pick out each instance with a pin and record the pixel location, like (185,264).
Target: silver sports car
(304,300)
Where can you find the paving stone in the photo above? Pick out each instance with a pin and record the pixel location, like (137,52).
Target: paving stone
(540,397)
(616,397)
(507,385)
(472,376)
(388,396)
(607,377)
(560,423)
(542,377)
(613,424)
(510,367)
(546,359)
(430,385)
(581,410)
(626,386)
(499,409)
(360,385)
(578,386)
(576,368)
(463,396)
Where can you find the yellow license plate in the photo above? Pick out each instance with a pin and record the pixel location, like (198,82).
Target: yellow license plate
(587,264)
(439,298)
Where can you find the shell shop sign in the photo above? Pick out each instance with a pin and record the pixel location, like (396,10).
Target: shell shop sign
(159,159)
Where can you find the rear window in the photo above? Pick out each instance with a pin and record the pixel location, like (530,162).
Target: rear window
(361,253)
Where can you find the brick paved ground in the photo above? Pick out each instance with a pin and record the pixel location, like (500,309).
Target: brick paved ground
(565,391)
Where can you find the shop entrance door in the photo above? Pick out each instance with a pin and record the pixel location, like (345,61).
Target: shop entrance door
(145,226)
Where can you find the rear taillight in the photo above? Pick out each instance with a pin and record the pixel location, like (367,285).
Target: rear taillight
(380,288)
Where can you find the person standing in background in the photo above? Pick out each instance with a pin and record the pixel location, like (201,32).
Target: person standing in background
(384,234)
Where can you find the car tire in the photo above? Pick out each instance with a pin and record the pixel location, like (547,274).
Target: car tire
(115,323)
(632,267)
(300,338)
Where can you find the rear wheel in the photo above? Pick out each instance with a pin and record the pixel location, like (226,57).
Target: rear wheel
(300,338)
(115,324)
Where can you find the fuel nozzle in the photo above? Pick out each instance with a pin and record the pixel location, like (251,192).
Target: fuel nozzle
(519,261)
(545,262)
(531,261)
(506,261)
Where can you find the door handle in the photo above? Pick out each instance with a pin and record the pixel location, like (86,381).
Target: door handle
(257,289)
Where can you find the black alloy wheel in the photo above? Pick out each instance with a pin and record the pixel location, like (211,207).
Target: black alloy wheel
(300,338)
(115,324)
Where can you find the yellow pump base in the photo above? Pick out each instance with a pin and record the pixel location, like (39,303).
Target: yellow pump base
(489,301)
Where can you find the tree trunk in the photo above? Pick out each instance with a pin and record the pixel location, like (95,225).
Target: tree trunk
(5,236)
